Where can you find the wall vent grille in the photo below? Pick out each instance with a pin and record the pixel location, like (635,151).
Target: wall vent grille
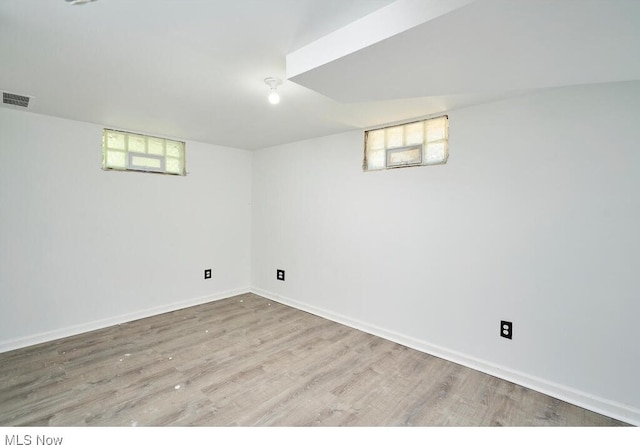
(15,99)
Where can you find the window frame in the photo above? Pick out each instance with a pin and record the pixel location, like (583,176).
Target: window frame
(390,148)
(127,153)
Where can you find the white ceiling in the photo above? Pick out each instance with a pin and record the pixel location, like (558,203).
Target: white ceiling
(194,69)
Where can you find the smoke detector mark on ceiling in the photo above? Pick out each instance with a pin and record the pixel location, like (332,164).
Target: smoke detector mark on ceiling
(15,99)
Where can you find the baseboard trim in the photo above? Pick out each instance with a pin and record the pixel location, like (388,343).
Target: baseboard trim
(590,402)
(112,321)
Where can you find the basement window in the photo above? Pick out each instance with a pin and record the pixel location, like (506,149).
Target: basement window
(416,143)
(130,151)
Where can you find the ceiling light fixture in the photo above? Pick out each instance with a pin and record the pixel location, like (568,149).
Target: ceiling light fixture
(273,83)
(79,2)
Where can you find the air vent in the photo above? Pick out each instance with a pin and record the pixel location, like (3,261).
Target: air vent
(15,99)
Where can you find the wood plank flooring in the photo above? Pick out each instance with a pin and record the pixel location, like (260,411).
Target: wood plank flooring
(248,361)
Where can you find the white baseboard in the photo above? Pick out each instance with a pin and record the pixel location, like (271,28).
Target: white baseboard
(57,334)
(593,403)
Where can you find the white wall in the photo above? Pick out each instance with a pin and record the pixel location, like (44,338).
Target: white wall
(534,219)
(82,248)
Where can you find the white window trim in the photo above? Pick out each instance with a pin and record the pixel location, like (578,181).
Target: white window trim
(132,166)
(391,151)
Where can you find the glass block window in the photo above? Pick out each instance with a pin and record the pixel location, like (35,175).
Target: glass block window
(416,143)
(130,151)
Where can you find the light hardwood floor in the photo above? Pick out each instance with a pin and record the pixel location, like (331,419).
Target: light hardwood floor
(249,361)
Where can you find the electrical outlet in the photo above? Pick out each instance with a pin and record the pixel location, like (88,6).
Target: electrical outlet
(280,274)
(506,329)
(207,274)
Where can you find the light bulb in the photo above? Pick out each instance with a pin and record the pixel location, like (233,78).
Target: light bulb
(274,97)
